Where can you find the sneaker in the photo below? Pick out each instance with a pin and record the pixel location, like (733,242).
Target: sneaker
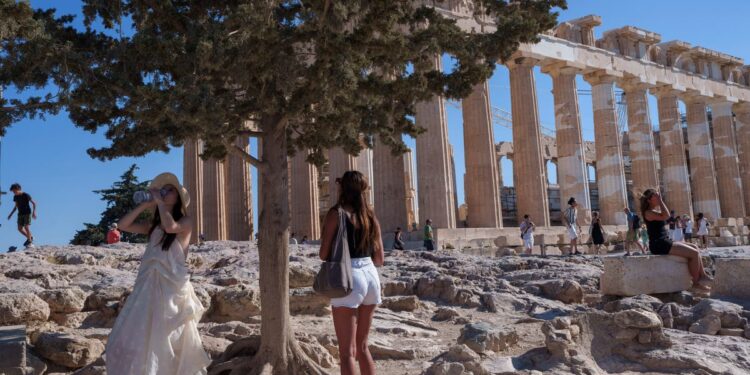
(27,243)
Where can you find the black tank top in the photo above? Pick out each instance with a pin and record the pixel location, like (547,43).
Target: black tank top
(658,238)
(353,238)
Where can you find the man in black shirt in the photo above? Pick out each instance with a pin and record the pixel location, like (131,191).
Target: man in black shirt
(23,203)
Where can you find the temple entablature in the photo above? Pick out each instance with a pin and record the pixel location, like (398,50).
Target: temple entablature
(629,41)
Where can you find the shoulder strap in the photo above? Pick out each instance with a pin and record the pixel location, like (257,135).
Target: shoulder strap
(340,247)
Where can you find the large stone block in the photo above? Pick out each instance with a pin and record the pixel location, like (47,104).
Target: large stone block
(732,277)
(13,348)
(631,276)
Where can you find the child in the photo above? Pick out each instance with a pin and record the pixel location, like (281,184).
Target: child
(643,234)
(25,213)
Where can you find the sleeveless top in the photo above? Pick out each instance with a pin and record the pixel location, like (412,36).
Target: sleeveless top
(658,238)
(353,238)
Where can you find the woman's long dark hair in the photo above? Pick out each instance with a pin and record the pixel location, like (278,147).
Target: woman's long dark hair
(353,187)
(645,205)
(168,238)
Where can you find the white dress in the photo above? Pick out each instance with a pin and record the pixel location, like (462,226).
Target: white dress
(157,329)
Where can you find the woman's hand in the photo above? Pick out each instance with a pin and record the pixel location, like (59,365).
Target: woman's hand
(157,199)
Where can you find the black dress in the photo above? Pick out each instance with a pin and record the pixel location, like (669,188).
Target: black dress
(658,238)
(597,236)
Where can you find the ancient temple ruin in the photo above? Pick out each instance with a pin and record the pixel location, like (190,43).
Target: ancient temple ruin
(700,162)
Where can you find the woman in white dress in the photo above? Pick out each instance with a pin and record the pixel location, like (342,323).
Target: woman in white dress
(156,331)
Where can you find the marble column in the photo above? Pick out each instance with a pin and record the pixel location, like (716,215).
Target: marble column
(729,184)
(702,173)
(434,172)
(571,164)
(389,188)
(364,162)
(640,138)
(610,174)
(192,178)
(529,177)
(304,199)
(238,195)
(742,111)
(481,180)
(412,206)
(214,201)
(338,163)
(674,170)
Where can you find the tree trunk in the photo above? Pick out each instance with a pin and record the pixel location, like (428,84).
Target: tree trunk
(279,352)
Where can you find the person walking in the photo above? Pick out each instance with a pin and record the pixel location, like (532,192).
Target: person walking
(352,314)
(157,330)
(687,225)
(429,242)
(398,243)
(631,237)
(655,214)
(570,220)
(597,232)
(26,207)
(702,233)
(527,234)
(113,235)
(672,223)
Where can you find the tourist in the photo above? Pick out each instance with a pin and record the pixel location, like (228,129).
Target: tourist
(304,240)
(596,231)
(293,239)
(631,237)
(113,236)
(687,225)
(702,233)
(678,234)
(23,203)
(398,243)
(527,234)
(429,242)
(643,237)
(157,330)
(570,220)
(654,212)
(352,314)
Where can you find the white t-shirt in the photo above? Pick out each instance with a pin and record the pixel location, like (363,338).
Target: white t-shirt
(528,233)
(689,226)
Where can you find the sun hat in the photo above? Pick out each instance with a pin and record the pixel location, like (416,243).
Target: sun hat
(113,226)
(167,178)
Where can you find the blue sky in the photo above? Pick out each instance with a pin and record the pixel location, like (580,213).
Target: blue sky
(48,156)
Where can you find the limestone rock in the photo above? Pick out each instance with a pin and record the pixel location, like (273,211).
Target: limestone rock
(68,350)
(642,301)
(100,297)
(214,346)
(729,314)
(460,353)
(68,300)
(401,303)
(641,319)
(444,368)
(567,291)
(306,301)
(631,276)
(738,332)
(709,325)
(444,313)
(301,276)
(22,308)
(481,337)
(238,302)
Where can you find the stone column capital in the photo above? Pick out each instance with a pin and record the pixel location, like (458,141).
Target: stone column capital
(665,91)
(522,62)
(742,108)
(558,68)
(600,77)
(630,85)
(692,97)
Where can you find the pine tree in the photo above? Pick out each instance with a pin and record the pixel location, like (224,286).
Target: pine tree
(119,200)
(298,75)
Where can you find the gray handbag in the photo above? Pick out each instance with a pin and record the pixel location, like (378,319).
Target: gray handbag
(334,279)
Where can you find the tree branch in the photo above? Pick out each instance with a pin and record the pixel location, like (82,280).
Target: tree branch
(239,151)
(251,133)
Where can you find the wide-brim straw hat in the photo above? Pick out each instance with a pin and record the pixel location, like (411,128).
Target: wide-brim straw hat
(167,178)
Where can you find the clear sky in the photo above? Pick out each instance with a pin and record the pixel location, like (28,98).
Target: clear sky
(48,156)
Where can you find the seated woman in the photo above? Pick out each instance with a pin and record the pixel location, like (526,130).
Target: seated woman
(655,213)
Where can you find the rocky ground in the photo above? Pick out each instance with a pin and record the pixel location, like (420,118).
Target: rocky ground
(443,313)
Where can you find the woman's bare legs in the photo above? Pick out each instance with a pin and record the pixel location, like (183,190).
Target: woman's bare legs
(345,323)
(364,320)
(695,263)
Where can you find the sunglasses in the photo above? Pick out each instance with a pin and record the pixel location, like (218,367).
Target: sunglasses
(166,190)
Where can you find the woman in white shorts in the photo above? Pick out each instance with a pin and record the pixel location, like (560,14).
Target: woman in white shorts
(352,315)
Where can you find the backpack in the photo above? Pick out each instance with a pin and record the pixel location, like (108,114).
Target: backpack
(636,222)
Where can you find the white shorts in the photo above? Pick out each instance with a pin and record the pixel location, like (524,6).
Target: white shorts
(572,233)
(528,242)
(365,288)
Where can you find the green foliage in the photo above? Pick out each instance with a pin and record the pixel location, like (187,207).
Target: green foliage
(323,71)
(119,200)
